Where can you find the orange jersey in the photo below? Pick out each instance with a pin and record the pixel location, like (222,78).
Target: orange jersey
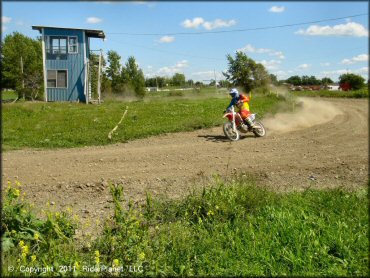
(243,103)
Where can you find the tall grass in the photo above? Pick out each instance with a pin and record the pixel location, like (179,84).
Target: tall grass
(363,93)
(8,95)
(66,125)
(229,229)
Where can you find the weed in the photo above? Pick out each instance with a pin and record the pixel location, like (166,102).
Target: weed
(229,229)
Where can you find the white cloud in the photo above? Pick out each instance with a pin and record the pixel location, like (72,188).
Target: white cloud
(326,64)
(334,72)
(349,29)
(166,39)
(281,74)
(149,4)
(304,66)
(182,64)
(364,72)
(251,49)
(194,23)
(356,59)
(276,9)
(178,68)
(218,23)
(208,25)
(5,19)
(271,64)
(207,75)
(93,20)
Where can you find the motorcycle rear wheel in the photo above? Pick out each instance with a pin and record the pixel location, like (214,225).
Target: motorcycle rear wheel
(229,132)
(259,130)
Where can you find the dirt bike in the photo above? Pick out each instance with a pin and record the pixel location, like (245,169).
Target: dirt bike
(235,125)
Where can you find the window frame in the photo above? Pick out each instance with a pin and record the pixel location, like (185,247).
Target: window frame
(56,78)
(76,45)
(59,38)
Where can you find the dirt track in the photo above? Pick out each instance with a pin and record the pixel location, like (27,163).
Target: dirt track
(323,144)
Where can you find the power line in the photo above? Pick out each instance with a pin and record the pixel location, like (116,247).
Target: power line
(236,30)
(168,52)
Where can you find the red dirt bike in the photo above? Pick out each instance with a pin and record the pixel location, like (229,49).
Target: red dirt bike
(235,125)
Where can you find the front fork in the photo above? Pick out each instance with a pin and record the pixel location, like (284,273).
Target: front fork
(233,122)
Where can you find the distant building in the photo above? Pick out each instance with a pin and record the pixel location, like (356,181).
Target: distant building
(151,89)
(333,87)
(66,55)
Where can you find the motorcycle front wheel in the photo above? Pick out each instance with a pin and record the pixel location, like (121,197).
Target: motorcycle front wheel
(229,132)
(259,130)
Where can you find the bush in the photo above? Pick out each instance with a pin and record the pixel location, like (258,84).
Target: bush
(30,94)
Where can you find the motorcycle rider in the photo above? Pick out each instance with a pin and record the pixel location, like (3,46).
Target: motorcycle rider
(241,101)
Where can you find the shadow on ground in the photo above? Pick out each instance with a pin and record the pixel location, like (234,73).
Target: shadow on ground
(222,138)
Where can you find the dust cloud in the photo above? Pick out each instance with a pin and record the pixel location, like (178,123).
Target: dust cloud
(307,112)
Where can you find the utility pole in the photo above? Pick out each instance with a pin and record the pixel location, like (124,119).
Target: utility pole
(99,70)
(214,72)
(24,97)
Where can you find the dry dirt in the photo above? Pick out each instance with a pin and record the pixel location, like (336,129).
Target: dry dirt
(324,143)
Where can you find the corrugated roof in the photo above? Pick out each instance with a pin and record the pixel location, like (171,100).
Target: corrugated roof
(89,32)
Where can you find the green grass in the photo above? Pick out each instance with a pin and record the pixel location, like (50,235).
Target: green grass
(67,125)
(8,95)
(363,93)
(229,229)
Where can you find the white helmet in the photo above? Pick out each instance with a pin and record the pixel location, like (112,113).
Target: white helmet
(234,92)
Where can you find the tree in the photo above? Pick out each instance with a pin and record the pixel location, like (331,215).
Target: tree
(17,51)
(305,80)
(273,79)
(294,80)
(245,72)
(352,80)
(178,79)
(113,71)
(190,82)
(326,80)
(224,83)
(151,82)
(133,77)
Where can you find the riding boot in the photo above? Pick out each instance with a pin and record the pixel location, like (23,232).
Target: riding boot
(249,123)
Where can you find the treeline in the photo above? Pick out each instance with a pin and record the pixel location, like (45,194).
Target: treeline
(21,66)
(125,79)
(308,80)
(348,80)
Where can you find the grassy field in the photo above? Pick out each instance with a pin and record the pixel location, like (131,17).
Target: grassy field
(8,95)
(67,125)
(364,93)
(229,229)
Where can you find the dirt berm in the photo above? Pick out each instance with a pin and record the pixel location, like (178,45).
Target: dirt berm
(324,143)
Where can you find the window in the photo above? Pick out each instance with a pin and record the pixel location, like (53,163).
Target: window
(58,45)
(72,45)
(57,79)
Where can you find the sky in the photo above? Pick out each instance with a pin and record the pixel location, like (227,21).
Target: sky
(323,39)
